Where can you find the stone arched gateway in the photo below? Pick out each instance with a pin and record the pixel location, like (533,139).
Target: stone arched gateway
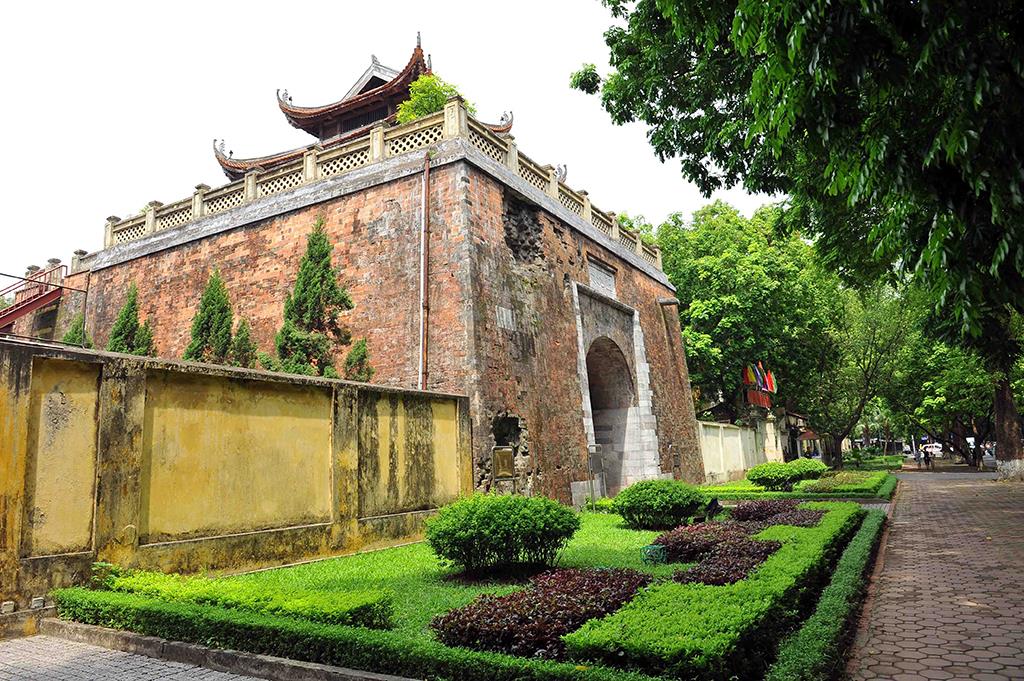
(612,396)
(616,391)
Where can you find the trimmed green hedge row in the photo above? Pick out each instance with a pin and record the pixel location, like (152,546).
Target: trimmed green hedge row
(815,650)
(880,486)
(370,608)
(718,632)
(355,647)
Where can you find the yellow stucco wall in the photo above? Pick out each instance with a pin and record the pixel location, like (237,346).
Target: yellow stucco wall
(222,456)
(408,458)
(61,469)
(181,467)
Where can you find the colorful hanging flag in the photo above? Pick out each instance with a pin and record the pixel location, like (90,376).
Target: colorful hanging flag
(748,376)
(772,387)
(760,376)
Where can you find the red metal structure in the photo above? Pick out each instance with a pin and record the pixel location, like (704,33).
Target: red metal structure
(32,293)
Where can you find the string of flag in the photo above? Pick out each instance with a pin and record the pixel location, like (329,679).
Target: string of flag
(756,374)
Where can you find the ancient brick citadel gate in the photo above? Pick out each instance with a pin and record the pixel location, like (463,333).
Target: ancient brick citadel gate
(474,270)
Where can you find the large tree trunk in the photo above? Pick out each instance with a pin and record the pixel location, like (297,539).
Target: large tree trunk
(1009,449)
(832,452)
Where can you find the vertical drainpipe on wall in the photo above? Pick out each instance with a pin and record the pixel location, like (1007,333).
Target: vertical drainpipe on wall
(424,264)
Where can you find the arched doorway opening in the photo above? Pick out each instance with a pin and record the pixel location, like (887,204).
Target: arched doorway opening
(612,397)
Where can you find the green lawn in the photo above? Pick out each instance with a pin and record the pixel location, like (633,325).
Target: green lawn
(423,588)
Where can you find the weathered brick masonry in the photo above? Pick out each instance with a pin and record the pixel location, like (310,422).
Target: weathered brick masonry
(525,373)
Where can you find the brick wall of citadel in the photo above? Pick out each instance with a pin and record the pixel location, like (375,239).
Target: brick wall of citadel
(529,373)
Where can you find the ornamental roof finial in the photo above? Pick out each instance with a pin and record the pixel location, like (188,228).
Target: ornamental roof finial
(418,39)
(430,66)
(373,59)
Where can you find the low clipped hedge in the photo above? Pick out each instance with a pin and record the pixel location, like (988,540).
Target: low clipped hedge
(355,647)
(658,504)
(491,532)
(369,608)
(718,632)
(815,651)
(878,485)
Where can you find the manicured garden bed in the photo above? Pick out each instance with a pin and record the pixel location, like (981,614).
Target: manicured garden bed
(741,589)
(837,485)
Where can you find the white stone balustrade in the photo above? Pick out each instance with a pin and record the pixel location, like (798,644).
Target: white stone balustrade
(381,142)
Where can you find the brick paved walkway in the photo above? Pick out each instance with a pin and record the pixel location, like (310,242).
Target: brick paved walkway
(949,603)
(42,658)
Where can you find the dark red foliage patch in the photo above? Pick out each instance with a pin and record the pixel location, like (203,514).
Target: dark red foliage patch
(689,543)
(762,509)
(531,622)
(728,561)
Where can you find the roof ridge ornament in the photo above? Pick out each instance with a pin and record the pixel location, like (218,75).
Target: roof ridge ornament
(373,59)
(218,149)
(561,172)
(418,39)
(283,96)
(506,118)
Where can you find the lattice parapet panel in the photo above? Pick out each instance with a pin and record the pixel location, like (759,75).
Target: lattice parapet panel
(174,218)
(486,145)
(533,177)
(280,183)
(219,204)
(423,137)
(601,222)
(130,233)
(649,257)
(345,163)
(571,202)
(627,240)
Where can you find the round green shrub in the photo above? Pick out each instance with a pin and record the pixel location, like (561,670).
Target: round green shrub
(774,475)
(809,469)
(658,504)
(490,533)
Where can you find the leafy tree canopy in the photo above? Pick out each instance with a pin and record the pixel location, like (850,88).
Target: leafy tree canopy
(914,107)
(747,295)
(427,95)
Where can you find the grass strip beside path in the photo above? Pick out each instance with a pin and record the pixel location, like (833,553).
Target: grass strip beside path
(815,651)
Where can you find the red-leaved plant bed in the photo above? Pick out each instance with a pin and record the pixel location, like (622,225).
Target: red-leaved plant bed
(762,509)
(689,543)
(531,622)
(728,561)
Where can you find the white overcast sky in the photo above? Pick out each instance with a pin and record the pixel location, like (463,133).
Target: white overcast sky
(109,105)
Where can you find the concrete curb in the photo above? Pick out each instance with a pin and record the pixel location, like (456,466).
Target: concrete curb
(230,661)
(23,622)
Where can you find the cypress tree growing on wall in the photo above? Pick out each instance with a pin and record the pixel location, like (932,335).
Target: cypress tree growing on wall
(128,335)
(76,334)
(357,362)
(305,343)
(144,341)
(211,327)
(243,350)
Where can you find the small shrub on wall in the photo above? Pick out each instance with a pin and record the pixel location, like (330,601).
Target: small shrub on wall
(427,95)
(491,533)
(658,504)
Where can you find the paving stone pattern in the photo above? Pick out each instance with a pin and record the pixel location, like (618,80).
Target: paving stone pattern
(44,658)
(949,603)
